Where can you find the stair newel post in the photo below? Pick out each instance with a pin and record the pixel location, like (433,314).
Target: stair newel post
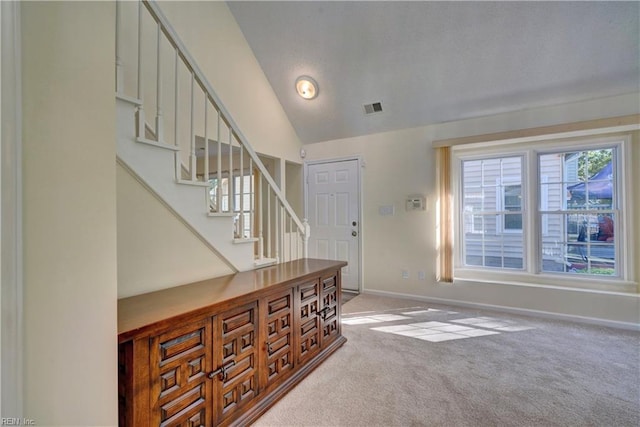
(175,117)
(289,239)
(119,64)
(141,118)
(192,157)
(205,178)
(159,120)
(297,239)
(283,230)
(305,238)
(259,209)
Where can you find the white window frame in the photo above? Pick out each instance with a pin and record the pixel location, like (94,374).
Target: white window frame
(459,260)
(532,223)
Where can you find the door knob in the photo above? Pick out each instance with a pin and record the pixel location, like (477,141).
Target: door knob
(354,233)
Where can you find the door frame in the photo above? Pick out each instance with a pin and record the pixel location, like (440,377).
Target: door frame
(360,164)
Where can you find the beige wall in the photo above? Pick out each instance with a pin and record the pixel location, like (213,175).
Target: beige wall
(214,39)
(70,270)
(293,187)
(401,163)
(156,250)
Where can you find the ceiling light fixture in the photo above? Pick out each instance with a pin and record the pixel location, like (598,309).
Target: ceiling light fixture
(306,87)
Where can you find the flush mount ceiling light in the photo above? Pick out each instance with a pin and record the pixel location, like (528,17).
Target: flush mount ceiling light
(306,87)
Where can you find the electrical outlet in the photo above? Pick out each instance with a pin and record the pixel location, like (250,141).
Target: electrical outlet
(405,274)
(421,275)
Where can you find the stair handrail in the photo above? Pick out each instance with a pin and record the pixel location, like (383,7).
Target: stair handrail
(191,64)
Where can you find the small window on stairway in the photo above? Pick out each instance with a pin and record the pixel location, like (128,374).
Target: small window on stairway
(242,202)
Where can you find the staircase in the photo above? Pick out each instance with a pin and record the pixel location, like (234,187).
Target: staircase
(176,137)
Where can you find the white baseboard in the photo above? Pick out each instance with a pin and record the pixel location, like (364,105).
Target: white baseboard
(512,310)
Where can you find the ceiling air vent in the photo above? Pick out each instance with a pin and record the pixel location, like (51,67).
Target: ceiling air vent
(376,107)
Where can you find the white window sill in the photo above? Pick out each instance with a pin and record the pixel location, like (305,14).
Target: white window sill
(556,281)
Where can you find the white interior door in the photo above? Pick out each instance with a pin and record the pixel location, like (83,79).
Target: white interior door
(333,212)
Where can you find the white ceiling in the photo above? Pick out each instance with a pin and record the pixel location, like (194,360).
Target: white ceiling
(433,62)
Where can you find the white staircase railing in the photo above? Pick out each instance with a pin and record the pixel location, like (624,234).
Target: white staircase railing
(154,68)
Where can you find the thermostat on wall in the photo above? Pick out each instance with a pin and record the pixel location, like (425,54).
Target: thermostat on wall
(416,202)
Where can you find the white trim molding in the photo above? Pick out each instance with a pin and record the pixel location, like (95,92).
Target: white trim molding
(11,331)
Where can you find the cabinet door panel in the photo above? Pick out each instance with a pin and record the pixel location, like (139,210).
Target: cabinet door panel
(330,309)
(235,349)
(309,324)
(180,389)
(278,336)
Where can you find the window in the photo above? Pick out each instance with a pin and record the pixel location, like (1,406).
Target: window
(512,197)
(543,209)
(492,206)
(581,212)
(243,197)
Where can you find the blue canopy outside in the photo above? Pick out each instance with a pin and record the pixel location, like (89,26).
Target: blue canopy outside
(599,186)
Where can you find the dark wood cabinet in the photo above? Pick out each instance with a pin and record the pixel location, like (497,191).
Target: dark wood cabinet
(179,361)
(279,349)
(222,351)
(235,355)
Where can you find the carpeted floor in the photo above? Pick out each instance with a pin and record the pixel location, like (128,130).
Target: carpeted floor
(409,363)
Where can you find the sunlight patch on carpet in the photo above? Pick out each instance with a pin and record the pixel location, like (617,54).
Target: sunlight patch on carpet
(446,329)
(377,318)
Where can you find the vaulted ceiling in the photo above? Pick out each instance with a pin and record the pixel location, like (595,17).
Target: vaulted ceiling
(434,62)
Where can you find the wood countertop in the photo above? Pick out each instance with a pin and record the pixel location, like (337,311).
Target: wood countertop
(140,312)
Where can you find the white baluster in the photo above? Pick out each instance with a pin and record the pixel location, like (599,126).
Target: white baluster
(119,63)
(192,159)
(219,166)
(277,232)
(260,217)
(141,119)
(241,219)
(205,178)
(269,243)
(159,120)
(232,201)
(175,118)
(252,199)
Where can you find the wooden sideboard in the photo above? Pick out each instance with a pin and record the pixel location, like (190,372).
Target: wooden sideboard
(222,351)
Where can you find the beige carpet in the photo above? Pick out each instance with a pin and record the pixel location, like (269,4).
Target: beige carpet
(410,363)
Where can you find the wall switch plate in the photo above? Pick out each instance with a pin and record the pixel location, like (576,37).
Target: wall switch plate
(421,275)
(386,210)
(405,274)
